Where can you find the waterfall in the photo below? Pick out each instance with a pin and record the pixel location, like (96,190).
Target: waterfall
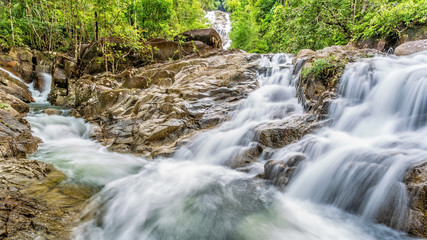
(222,24)
(380,130)
(39,96)
(350,180)
(352,170)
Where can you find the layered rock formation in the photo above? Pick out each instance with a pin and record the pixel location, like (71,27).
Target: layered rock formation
(149,110)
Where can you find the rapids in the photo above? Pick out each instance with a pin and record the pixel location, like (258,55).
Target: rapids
(353,169)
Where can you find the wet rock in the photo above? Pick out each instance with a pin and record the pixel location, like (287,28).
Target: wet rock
(280,173)
(411,47)
(163,49)
(244,157)
(33,203)
(321,72)
(14,88)
(52,111)
(16,139)
(137,82)
(281,133)
(416,183)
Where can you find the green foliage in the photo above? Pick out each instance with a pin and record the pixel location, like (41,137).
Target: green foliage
(154,16)
(324,70)
(291,25)
(392,18)
(63,25)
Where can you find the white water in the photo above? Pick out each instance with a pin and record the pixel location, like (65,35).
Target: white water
(39,97)
(352,169)
(380,130)
(274,100)
(222,24)
(337,195)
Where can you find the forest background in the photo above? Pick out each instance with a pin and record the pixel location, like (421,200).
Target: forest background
(258,25)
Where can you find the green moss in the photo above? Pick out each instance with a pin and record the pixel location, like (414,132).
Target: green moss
(4,106)
(325,70)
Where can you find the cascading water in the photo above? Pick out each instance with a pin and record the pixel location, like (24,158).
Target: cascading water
(351,171)
(39,96)
(344,183)
(222,24)
(380,130)
(67,145)
(274,100)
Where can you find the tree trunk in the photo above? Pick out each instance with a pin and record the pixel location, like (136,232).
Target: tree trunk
(96,27)
(11,22)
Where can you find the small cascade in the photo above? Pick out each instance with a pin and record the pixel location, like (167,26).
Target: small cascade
(274,100)
(380,130)
(222,24)
(66,143)
(42,96)
(39,96)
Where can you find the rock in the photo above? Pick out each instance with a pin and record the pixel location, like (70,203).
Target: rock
(14,93)
(281,133)
(321,72)
(150,110)
(52,111)
(411,47)
(245,156)
(416,183)
(136,82)
(163,49)
(279,173)
(33,205)
(208,36)
(16,138)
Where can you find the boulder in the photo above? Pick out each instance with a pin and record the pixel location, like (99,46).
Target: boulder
(291,129)
(411,47)
(52,111)
(16,138)
(208,36)
(163,49)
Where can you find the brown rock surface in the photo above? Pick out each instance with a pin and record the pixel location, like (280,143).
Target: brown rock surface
(411,47)
(416,183)
(207,36)
(33,203)
(149,110)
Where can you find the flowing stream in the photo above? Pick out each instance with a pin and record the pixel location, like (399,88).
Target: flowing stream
(222,24)
(351,171)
